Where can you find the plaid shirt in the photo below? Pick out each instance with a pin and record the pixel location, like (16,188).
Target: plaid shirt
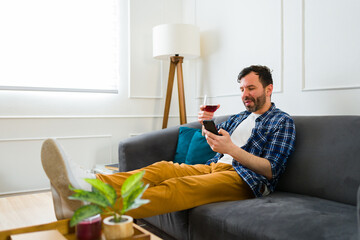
(272,138)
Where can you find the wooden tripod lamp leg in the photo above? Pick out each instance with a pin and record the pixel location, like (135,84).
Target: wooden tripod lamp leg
(169,93)
(181,91)
(175,62)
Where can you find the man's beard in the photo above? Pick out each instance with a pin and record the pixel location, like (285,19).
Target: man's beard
(259,102)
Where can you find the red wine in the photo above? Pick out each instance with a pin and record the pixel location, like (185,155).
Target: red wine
(211,108)
(89,228)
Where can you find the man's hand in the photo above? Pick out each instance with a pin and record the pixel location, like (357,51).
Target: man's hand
(224,145)
(204,115)
(221,144)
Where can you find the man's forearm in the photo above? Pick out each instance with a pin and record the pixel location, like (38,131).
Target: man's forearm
(223,144)
(257,164)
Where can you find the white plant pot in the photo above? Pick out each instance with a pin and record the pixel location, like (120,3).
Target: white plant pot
(123,229)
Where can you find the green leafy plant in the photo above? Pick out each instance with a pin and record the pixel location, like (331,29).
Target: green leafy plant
(103,197)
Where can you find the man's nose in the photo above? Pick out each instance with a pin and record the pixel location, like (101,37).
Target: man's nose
(245,93)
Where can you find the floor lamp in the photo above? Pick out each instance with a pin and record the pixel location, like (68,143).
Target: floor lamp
(175,41)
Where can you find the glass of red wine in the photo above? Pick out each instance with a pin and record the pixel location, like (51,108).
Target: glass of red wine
(209,105)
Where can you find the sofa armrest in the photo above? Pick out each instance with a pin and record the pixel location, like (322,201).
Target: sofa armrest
(143,150)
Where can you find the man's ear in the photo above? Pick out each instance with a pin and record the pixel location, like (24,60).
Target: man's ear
(269,89)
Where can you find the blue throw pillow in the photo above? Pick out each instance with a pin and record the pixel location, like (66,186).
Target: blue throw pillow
(199,150)
(184,139)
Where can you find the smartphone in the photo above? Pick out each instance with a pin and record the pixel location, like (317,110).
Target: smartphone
(210,126)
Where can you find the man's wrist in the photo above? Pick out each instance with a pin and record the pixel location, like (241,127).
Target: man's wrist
(234,151)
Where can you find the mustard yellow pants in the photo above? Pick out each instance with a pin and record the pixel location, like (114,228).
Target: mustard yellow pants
(175,187)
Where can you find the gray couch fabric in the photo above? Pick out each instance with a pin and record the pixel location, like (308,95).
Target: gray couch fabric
(315,198)
(326,163)
(278,216)
(175,224)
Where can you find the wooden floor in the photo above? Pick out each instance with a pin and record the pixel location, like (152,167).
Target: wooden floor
(26,210)
(37,208)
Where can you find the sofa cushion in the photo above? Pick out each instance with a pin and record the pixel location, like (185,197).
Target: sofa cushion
(192,147)
(277,216)
(184,140)
(326,162)
(199,150)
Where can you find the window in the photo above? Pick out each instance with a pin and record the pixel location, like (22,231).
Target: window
(59,45)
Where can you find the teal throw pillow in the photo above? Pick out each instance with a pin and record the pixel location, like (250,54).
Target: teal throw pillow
(199,150)
(184,139)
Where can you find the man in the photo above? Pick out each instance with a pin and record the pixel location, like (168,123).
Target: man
(251,155)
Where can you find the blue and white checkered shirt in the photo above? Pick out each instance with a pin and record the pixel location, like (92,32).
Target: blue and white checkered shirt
(272,138)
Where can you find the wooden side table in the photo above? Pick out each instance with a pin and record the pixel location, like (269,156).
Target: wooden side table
(69,232)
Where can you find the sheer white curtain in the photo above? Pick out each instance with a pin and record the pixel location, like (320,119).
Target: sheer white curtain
(59,45)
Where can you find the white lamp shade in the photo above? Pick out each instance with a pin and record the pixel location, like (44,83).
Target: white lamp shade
(171,39)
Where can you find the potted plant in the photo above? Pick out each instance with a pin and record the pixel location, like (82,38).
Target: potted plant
(102,199)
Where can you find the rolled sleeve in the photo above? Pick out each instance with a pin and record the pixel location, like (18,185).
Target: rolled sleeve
(279,146)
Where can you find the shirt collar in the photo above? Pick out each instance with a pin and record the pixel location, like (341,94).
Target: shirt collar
(267,113)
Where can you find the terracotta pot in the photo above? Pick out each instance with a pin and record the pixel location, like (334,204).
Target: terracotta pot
(122,229)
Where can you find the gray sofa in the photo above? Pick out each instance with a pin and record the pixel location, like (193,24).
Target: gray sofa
(316,197)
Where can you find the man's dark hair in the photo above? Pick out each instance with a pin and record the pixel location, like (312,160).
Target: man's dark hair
(263,72)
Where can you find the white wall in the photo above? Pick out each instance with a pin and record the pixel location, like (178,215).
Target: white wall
(89,125)
(310,45)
